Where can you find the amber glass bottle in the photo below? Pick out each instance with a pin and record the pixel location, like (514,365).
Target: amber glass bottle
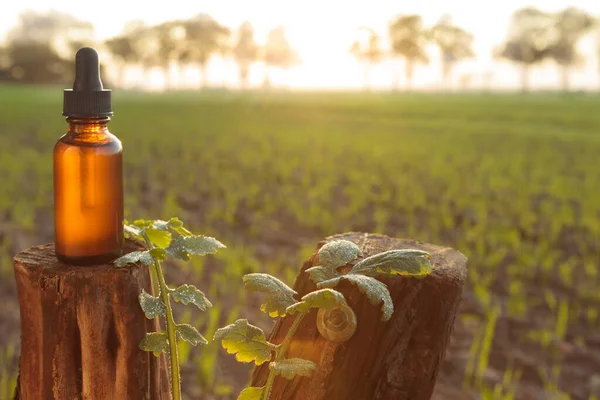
(88,177)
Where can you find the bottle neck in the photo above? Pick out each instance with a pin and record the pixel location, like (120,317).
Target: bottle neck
(88,125)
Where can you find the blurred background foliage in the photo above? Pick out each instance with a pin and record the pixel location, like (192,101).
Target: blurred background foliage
(40,47)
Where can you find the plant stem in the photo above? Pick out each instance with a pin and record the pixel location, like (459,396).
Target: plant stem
(280,353)
(155,284)
(173,353)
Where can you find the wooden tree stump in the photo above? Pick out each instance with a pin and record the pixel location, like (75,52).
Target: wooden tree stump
(80,331)
(395,360)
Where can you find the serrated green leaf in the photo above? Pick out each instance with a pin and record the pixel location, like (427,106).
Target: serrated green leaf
(395,262)
(182,231)
(292,367)
(134,257)
(177,249)
(183,247)
(280,297)
(190,294)
(258,282)
(338,253)
(132,230)
(159,254)
(160,225)
(174,224)
(251,393)
(324,298)
(152,306)
(155,342)
(142,223)
(177,225)
(376,291)
(246,341)
(159,238)
(319,273)
(190,334)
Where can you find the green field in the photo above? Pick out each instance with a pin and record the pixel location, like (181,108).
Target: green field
(511,181)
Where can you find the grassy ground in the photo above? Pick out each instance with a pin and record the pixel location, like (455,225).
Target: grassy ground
(511,181)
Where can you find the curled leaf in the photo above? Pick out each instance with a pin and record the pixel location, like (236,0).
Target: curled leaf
(319,274)
(376,291)
(152,306)
(190,334)
(280,297)
(134,257)
(292,367)
(155,342)
(190,294)
(246,341)
(338,253)
(324,298)
(395,262)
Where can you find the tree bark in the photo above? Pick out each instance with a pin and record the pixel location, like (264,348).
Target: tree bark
(203,75)
(564,78)
(394,360)
(243,74)
(267,79)
(408,71)
(367,75)
(166,69)
(121,74)
(525,78)
(81,328)
(446,75)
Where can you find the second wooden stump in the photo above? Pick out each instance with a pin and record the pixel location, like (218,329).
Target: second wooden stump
(394,360)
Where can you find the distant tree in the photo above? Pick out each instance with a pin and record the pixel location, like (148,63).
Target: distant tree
(35,62)
(170,46)
(408,40)
(40,47)
(124,51)
(570,24)
(529,40)
(368,52)
(146,48)
(277,53)
(203,37)
(245,51)
(5,74)
(455,45)
(157,46)
(225,50)
(53,27)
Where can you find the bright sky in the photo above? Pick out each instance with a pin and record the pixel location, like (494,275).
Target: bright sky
(322,31)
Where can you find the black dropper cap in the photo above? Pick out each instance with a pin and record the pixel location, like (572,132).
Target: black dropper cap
(87,98)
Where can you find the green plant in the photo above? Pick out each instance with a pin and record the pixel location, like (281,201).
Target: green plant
(8,376)
(168,239)
(249,343)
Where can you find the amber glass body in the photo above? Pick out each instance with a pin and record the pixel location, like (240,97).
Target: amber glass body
(88,193)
